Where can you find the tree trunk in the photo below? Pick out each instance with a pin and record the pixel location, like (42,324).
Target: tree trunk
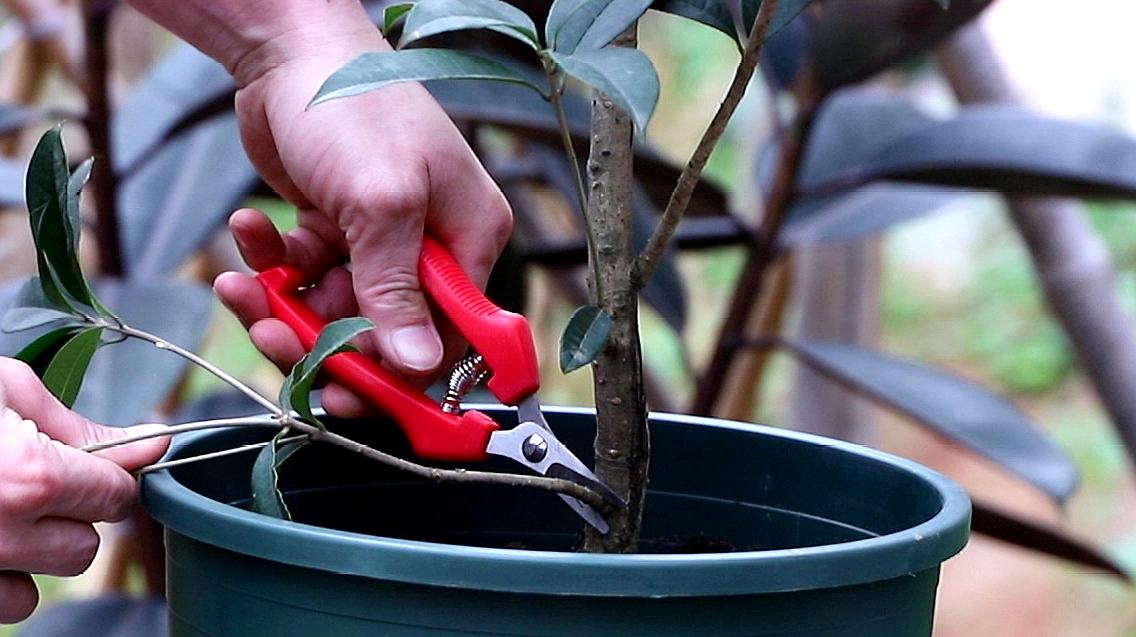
(622,447)
(837,288)
(1072,262)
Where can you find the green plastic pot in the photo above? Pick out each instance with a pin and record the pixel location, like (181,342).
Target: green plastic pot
(827,539)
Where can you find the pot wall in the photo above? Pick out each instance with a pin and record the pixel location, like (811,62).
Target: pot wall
(841,541)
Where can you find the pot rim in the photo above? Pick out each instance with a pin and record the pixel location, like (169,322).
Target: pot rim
(908,551)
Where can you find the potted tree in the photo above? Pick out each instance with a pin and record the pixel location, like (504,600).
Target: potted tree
(740,530)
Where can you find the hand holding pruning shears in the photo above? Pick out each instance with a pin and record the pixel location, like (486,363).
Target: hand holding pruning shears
(440,432)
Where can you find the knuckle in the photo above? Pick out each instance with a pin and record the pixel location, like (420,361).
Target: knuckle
(386,197)
(394,287)
(34,487)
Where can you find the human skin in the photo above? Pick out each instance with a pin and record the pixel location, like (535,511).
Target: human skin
(51,493)
(369,175)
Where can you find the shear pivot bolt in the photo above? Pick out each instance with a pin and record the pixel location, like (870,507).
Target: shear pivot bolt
(535,448)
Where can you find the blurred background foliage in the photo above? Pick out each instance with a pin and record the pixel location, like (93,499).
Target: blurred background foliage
(956,290)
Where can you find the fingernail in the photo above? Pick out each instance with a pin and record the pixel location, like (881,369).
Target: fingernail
(417,348)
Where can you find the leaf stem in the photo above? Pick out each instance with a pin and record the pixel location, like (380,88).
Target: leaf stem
(161,343)
(652,254)
(555,94)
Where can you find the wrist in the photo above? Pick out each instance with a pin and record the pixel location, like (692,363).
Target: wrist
(335,30)
(252,37)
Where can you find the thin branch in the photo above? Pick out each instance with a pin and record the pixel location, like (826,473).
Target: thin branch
(174,430)
(316,434)
(567,487)
(652,254)
(161,466)
(161,343)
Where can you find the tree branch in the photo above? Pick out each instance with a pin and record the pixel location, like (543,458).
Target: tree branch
(652,254)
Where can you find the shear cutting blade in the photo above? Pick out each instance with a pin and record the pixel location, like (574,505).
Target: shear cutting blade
(533,444)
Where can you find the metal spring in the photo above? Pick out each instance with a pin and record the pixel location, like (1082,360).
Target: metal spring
(465,376)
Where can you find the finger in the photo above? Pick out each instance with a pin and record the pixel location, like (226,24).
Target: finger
(43,477)
(340,401)
(52,546)
(384,257)
(277,342)
(469,216)
(263,247)
(18,597)
(25,394)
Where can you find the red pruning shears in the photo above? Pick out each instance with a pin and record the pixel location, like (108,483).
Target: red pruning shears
(506,351)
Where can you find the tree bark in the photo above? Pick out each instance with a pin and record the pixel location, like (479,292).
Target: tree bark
(622,445)
(1072,262)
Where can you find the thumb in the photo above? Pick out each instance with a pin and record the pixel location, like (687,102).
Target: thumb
(23,392)
(384,263)
(134,455)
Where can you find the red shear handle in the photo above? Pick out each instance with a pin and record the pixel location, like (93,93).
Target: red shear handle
(503,338)
(433,434)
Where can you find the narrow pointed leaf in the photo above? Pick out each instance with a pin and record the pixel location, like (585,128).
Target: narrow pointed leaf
(1005,148)
(1018,531)
(54,233)
(372,71)
(64,376)
(26,318)
(393,13)
(75,184)
(625,75)
(583,337)
(864,212)
(431,17)
(612,19)
(175,202)
(335,338)
(38,353)
(266,496)
(952,406)
(856,39)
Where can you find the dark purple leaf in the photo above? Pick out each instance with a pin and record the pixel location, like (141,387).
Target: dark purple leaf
(953,407)
(855,39)
(1012,529)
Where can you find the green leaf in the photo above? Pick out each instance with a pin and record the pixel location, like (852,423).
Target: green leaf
(372,71)
(294,394)
(952,406)
(266,496)
(56,236)
(39,352)
(75,184)
(583,337)
(393,14)
(431,17)
(19,319)
(625,75)
(64,375)
(712,13)
(945,4)
(591,24)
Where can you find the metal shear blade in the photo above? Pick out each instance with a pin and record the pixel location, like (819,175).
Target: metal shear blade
(533,444)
